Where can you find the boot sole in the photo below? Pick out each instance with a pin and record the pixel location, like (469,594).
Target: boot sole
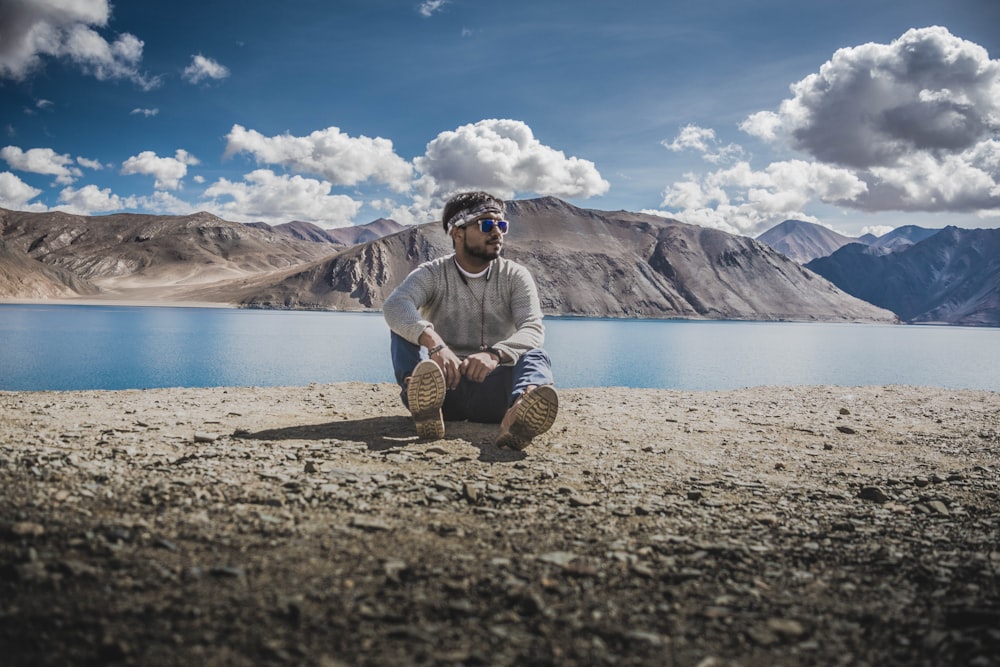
(534,415)
(425,395)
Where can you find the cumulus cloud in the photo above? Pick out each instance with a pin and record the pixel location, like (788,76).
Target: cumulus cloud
(168,171)
(15,194)
(337,157)
(906,116)
(43,161)
(268,197)
(428,7)
(202,68)
(144,112)
(504,157)
(740,200)
(704,141)
(90,199)
(905,126)
(31,31)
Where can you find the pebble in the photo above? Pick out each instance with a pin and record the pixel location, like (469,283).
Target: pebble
(201,436)
(873,493)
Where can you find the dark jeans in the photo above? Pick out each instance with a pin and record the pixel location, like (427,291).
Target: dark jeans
(485,401)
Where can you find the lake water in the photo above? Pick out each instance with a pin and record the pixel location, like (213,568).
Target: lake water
(116,347)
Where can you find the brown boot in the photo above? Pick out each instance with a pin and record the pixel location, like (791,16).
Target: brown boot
(425,395)
(532,415)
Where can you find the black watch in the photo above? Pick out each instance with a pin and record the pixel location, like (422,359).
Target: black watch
(493,350)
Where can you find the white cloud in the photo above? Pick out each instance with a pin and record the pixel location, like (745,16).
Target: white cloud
(32,31)
(337,157)
(740,200)
(168,171)
(908,117)
(89,164)
(90,199)
(704,141)
(876,230)
(202,68)
(906,126)
(144,112)
(268,197)
(15,194)
(504,157)
(42,161)
(428,7)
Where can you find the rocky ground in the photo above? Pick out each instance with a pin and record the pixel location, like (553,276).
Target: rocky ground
(770,526)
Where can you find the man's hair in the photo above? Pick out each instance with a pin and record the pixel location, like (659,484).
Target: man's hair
(467,200)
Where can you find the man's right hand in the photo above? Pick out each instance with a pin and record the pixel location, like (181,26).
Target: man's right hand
(450,365)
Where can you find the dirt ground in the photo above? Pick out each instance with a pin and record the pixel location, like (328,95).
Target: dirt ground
(307,526)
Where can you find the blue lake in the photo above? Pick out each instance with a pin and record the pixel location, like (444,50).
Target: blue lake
(62,347)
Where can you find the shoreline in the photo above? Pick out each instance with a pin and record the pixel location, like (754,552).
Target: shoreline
(307,525)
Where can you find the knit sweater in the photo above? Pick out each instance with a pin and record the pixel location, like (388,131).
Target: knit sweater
(500,310)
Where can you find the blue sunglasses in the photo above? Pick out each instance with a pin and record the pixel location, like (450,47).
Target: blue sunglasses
(486,225)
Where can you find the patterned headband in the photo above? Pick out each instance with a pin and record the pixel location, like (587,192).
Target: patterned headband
(466,216)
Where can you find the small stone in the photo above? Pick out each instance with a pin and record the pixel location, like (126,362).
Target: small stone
(27,529)
(939,507)
(201,436)
(364,523)
(873,493)
(310,467)
(845,411)
(846,429)
(470,493)
(582,500)
(694,495)
(786,628)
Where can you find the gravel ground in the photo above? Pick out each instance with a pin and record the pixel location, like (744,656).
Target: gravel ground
(307,526)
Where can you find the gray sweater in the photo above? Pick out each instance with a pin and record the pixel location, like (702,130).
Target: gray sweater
(502,311)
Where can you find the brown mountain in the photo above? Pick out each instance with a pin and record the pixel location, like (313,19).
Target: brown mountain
(804,241)
(586,262)
(23,277)
(144,256)
(589,263)
(343,236)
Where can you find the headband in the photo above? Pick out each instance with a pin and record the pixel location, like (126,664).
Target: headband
(467,215)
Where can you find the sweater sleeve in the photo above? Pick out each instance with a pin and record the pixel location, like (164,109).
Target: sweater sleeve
(402,309)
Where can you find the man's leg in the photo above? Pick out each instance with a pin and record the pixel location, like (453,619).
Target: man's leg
(533,401)
(422,384)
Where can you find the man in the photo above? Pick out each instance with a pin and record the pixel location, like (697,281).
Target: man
(467,333)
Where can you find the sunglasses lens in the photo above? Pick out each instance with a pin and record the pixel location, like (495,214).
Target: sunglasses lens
(486,226)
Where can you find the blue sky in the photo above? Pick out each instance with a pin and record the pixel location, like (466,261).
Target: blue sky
(859,114)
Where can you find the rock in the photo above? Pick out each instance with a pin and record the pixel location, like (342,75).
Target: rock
(846,429)
(583,500)
(873,494)
(201,436)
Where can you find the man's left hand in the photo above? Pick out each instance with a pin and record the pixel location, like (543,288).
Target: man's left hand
(477,366)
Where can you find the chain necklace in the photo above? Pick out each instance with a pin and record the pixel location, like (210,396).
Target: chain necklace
(480,300)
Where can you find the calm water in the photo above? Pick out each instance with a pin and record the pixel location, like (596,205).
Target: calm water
(112,347)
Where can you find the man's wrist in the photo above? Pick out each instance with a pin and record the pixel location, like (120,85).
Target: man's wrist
(434,350)
(495,352)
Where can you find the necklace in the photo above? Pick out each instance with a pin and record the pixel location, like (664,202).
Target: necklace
(480,300)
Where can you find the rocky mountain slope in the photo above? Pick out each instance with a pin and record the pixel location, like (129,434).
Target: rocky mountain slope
(952,276)
(119,254)
(587,263)
(804,241)
(344,236)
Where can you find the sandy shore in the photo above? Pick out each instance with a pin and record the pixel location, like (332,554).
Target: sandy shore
(306,525)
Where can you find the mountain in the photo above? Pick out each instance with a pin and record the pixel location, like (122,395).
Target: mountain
(343,236)
(143,255)
(803,241)
(900,238)
(951,276)
(587,263)
(23,277)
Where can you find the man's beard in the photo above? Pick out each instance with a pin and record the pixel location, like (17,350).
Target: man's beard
(488,252)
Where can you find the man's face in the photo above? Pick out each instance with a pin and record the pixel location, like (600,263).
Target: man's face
(485,246)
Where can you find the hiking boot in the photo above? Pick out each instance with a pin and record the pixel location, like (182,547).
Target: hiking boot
(532,415)
(425,395)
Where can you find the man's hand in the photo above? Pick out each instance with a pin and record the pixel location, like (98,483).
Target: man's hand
(450,365)
(477,366)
